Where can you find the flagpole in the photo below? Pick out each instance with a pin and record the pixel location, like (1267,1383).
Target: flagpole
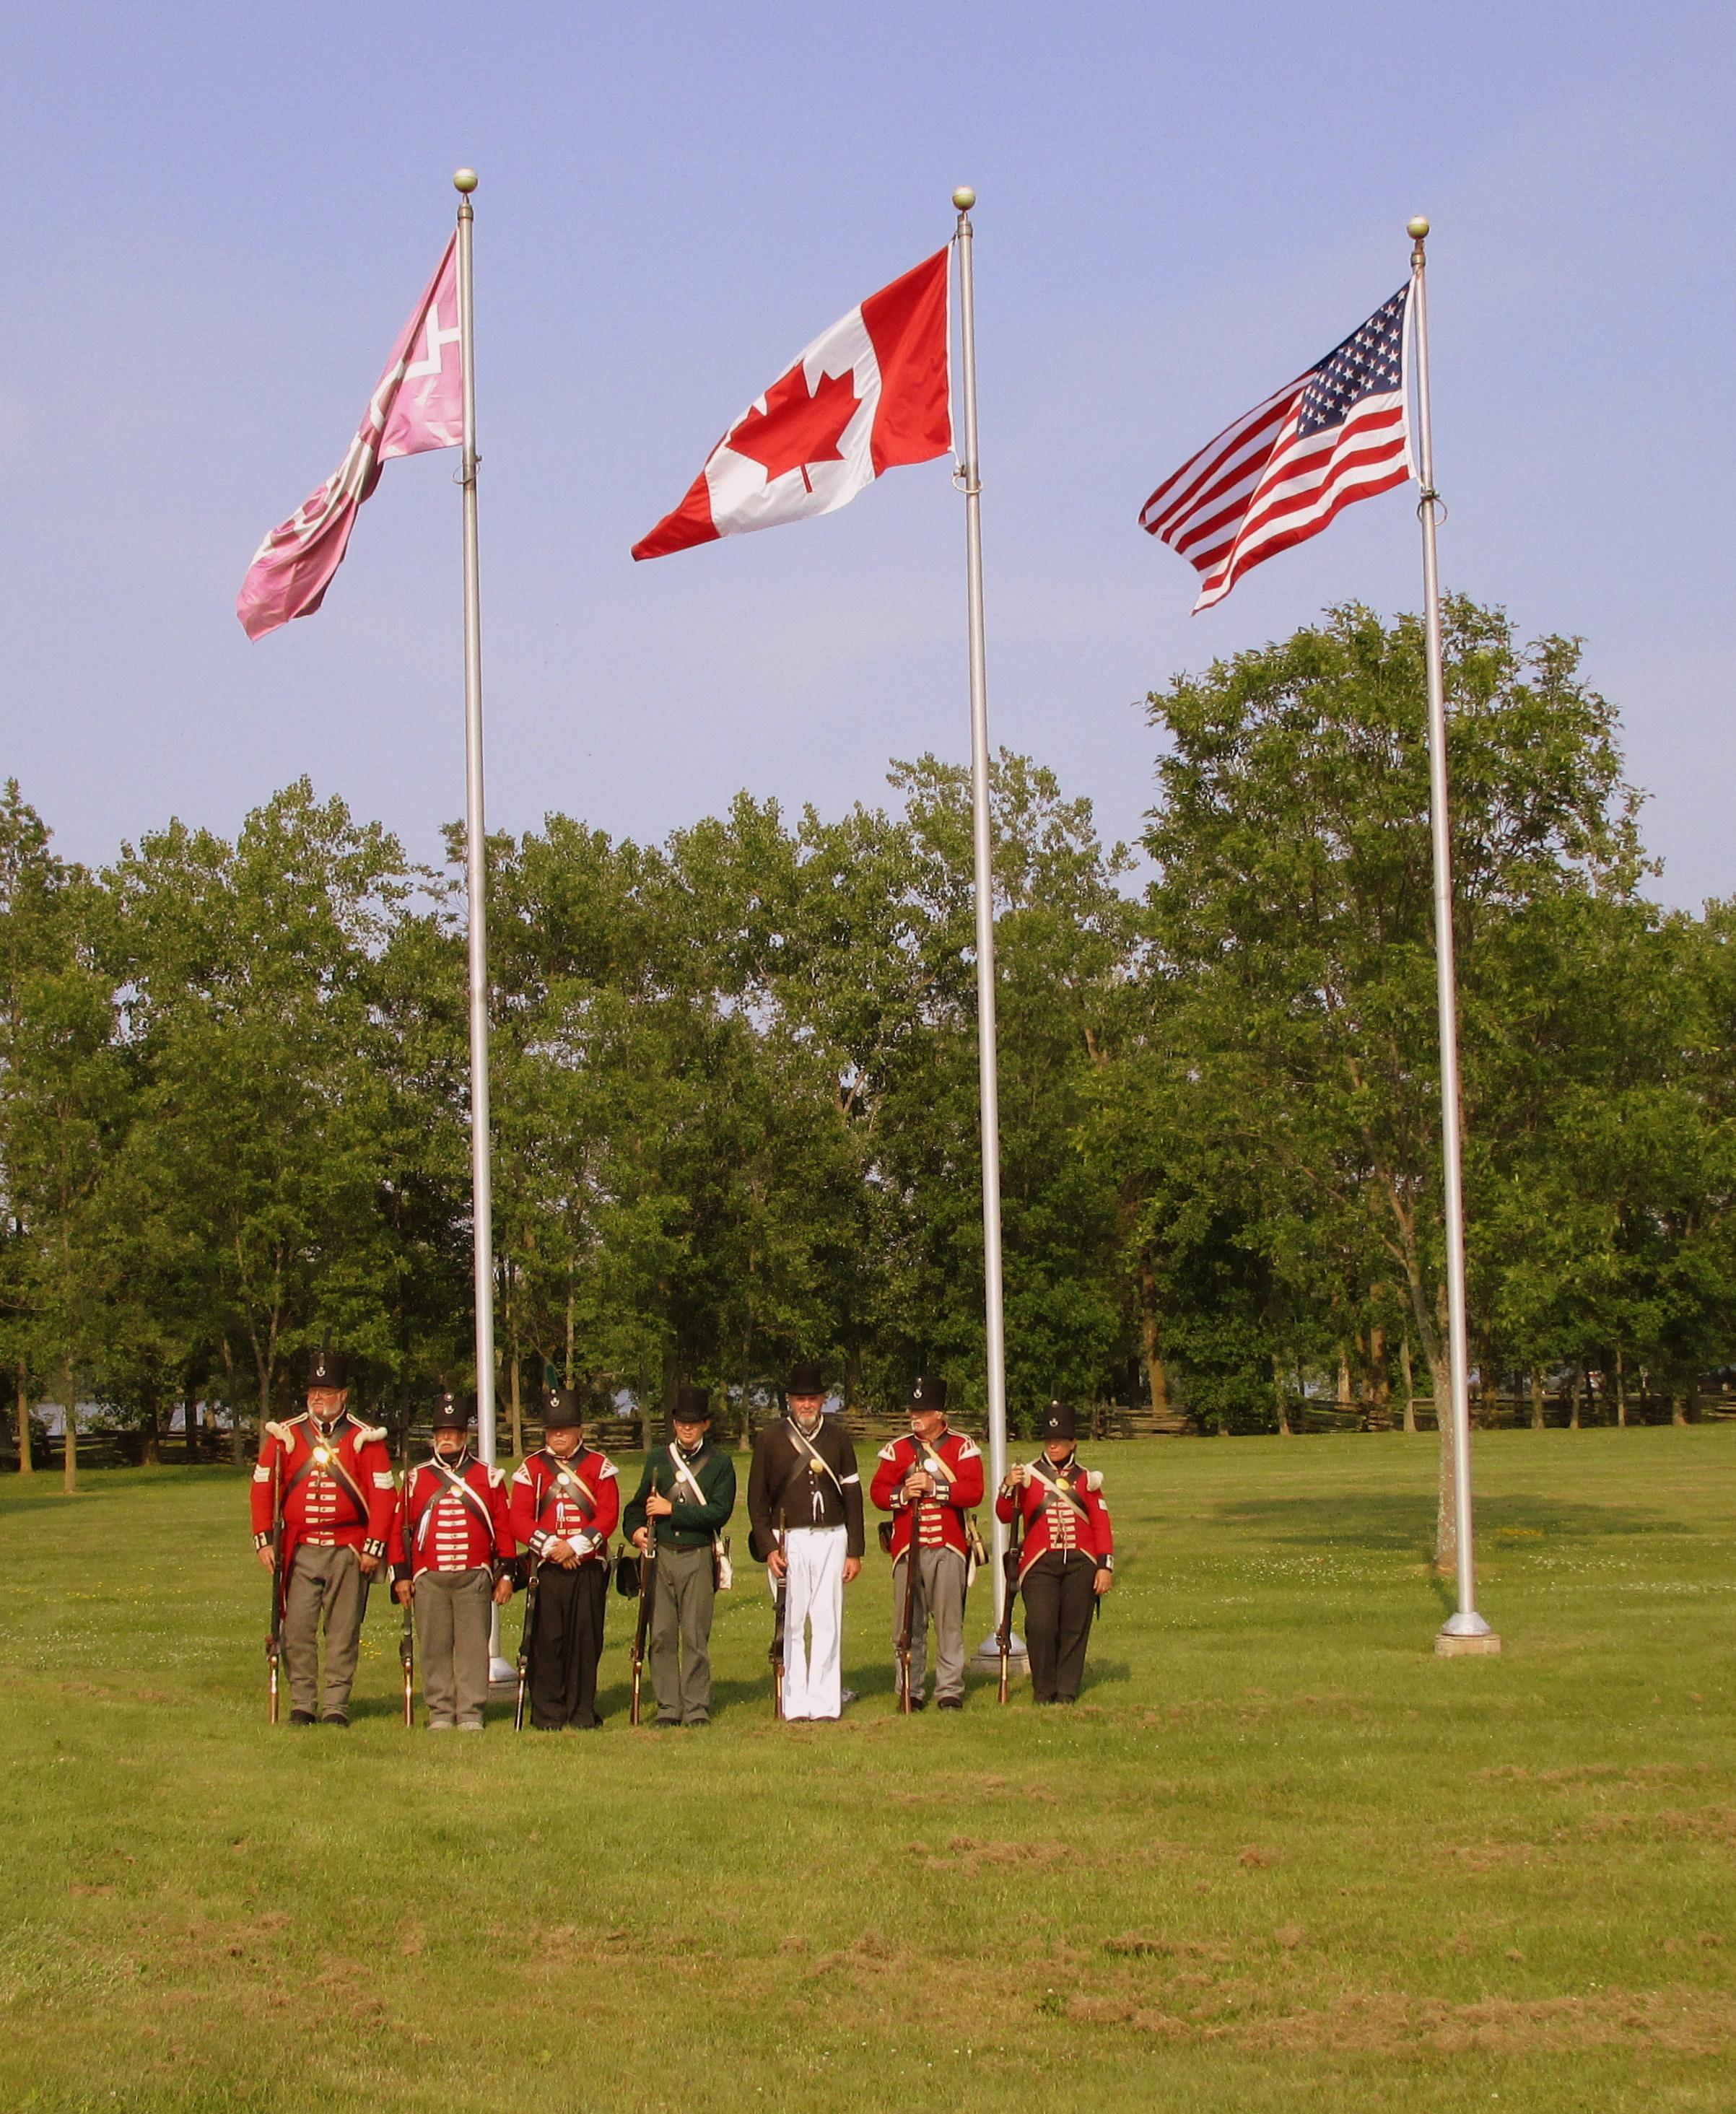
(476,883)
(1464,1630)
(988,1081)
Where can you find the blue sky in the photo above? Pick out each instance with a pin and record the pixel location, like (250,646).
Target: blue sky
(218,217)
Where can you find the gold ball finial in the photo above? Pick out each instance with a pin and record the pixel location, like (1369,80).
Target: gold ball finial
(1416,229)
(465,180)
(963,198)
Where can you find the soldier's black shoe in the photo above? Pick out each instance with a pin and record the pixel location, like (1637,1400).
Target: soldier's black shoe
(336,1718)
(301,1718)
(952,1702)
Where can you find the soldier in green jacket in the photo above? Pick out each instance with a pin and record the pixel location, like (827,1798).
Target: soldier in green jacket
(684,1499)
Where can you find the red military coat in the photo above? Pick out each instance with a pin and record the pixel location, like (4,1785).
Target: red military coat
(335,1482)
(577,1501)
(455,1520)
(958,1484)
(1081,1528)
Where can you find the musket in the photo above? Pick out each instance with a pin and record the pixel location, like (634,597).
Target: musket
(407,1658)
(907,1622)
(527,1637)
(274,1635)
(775,1652)
(407,1635)
(647,1572)
(1009,1594)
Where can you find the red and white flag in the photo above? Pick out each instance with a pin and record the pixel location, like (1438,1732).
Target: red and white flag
(1277,476)
(867,395)
(418,405)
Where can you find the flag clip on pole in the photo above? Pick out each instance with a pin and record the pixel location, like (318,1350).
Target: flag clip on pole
(1464,1630)
(970,483)
(476,882)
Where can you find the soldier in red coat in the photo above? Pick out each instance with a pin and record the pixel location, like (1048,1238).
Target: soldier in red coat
(331,1475)
(565,1502)
(931,1482)
(453,1553)
(1068,1559)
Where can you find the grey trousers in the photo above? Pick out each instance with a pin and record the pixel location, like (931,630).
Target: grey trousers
(681,1616)
(452,1609)
(328,1582)
(940,1593)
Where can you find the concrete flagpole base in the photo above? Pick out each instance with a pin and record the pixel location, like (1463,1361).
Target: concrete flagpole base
(503,1676)
(987,1658)
(1486,1644)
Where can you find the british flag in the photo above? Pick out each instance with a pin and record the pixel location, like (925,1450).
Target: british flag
(1337,432)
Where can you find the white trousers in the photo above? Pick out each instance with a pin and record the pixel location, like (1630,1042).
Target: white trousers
(813,1602)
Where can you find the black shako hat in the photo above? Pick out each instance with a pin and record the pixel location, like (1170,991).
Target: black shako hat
(927,1393)
(327,1369)
(692,1405)
(453,1412)
(1058,1421)
(560,1409)
(805,1379)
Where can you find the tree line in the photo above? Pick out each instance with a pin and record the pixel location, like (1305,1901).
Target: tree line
(734,1078)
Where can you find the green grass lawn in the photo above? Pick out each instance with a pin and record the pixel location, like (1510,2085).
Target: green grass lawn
(1279,1856)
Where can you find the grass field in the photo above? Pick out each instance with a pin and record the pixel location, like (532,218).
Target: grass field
(1279,1857)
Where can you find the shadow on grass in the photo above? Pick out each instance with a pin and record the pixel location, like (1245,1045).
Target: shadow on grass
(1100,1672)
(1403,1522)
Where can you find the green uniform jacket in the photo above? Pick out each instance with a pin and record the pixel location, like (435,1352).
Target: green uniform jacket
(688,1526)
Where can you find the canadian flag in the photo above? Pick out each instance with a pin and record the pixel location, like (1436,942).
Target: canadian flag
(867,395)
(417,404)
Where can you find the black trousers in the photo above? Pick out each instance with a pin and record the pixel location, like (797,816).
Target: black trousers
(565,1646)
(1060,1594)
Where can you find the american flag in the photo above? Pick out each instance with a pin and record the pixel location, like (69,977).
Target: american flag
(1277,476)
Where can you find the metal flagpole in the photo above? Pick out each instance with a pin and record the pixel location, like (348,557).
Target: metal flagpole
(970,483)
(1464,1630)
(476,882)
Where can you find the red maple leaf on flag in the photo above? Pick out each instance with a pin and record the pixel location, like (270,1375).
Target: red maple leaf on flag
(796,429)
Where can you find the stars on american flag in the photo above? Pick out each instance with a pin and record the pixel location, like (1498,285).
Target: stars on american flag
(1337,433)
(1369,363)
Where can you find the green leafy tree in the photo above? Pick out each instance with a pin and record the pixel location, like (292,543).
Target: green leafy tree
(253,976)
(1292,912)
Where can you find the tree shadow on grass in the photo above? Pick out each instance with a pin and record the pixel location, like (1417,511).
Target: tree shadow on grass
(1395,1521)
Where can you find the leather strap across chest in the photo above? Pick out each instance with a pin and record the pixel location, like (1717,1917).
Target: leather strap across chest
(552,1491)
(472,1500)
(939,1465)
(333,1466)
(1063,1490)
(684,1474)
(809,1457)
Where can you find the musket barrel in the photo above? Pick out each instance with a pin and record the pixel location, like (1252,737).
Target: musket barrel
(274,1635)
(526,1636)
(907,1627)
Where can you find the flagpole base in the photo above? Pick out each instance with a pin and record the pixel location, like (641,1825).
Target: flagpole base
(1466,1635)
(502,1673)
(987,1659)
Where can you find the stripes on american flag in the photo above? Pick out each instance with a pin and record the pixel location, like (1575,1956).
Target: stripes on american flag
(1337,433)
